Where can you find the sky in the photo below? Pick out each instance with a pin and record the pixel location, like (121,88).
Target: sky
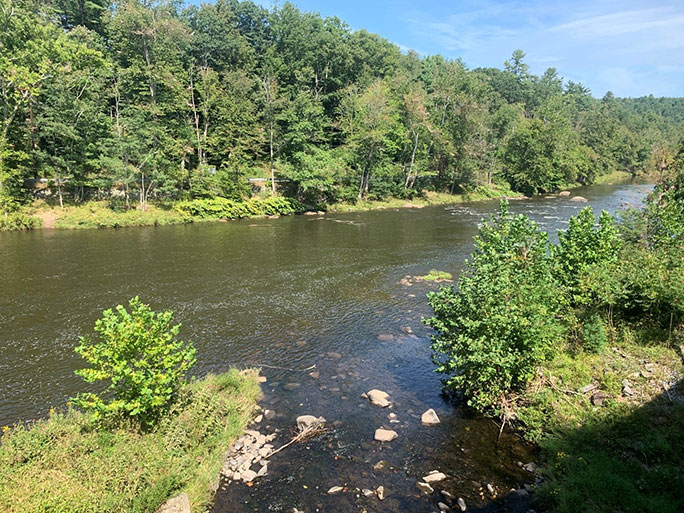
(630,48)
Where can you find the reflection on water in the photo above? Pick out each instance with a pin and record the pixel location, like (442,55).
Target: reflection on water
(285,294)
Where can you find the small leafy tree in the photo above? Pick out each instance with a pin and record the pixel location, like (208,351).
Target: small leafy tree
(502,320)
(582,247)
(140,356)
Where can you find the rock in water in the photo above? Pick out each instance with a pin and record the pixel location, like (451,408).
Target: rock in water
(564,194)
(248,475)
(461,504)
(429,418)
(424,488)
(578,199)
(335,489)
(434,477)
(367,492)
(378,398)
(381,492)
(179,504)
(308,421)
(385,435)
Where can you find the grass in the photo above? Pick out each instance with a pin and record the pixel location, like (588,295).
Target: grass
(625,455)
(430,198)
(61,464)
(435,275)
(99,215)
(614,177)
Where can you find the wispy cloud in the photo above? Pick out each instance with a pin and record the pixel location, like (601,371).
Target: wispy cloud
(615,45)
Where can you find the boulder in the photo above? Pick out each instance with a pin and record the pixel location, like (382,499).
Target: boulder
(598,398)
(378,398)
(309,422)
(381,492)
(269,414)
(367,492)
(442,506)
(179,504)
(579,199)
(335,489)
(564,194)
(429,418)
(385,435)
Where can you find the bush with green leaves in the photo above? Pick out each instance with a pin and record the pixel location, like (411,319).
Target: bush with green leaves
(594,336)
(140,356)
(582,247)
(222,208)
(502,319)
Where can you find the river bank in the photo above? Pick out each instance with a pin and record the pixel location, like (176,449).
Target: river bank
(98,214)
(62,464)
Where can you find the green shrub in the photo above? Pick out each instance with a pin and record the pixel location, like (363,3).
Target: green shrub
(222,208)
(594,335)
(581,247)
(502,320)
(18,221)
(435,275)
(141,357)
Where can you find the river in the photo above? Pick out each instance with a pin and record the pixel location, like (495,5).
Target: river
(285,294)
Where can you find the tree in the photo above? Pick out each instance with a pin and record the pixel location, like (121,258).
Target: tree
(501,320)
(140,357)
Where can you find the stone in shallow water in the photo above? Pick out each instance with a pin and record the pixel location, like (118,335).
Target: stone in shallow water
(429,418)
(308,421)
(434,477)
(385,435)
(367,492)
(378,398)
(461,504)
(335,489)
(292,386)
(248,475)
(424,488)
(381,492)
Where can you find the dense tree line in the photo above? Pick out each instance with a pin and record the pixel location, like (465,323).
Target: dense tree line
(159,100)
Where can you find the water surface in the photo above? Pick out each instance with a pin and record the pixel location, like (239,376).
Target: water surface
(285,294)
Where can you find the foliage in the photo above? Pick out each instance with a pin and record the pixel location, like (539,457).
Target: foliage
(164,101)
(18,221)
(141,358)
(502,319)
(121,469)
(582,247)
(594,337)
(221,208)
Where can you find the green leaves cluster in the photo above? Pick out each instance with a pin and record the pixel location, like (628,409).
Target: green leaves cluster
(139,356)
(503,319)
(137,99)
(221,208)
(515,303)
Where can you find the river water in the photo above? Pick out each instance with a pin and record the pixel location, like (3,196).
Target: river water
(285,294)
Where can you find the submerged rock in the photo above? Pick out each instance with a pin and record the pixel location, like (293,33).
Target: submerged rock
(579,199)
(308,422)
(378,398)
(381,492)
(563,194)
(335,489)
(385,435)
(430,418)
(425,488)
(461,504)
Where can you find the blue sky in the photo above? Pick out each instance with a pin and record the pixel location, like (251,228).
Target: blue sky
(628,47)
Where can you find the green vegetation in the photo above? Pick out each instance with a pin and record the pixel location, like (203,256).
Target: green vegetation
(135,103)
(142,360)
(221,208)
(99,215)
(150,435)
(63,464)
(18,220)
(435,275)
(579,344)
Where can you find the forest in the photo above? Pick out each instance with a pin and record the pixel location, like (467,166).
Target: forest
(138,101)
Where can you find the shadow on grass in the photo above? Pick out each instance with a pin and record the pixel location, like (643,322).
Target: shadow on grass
(631,462)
